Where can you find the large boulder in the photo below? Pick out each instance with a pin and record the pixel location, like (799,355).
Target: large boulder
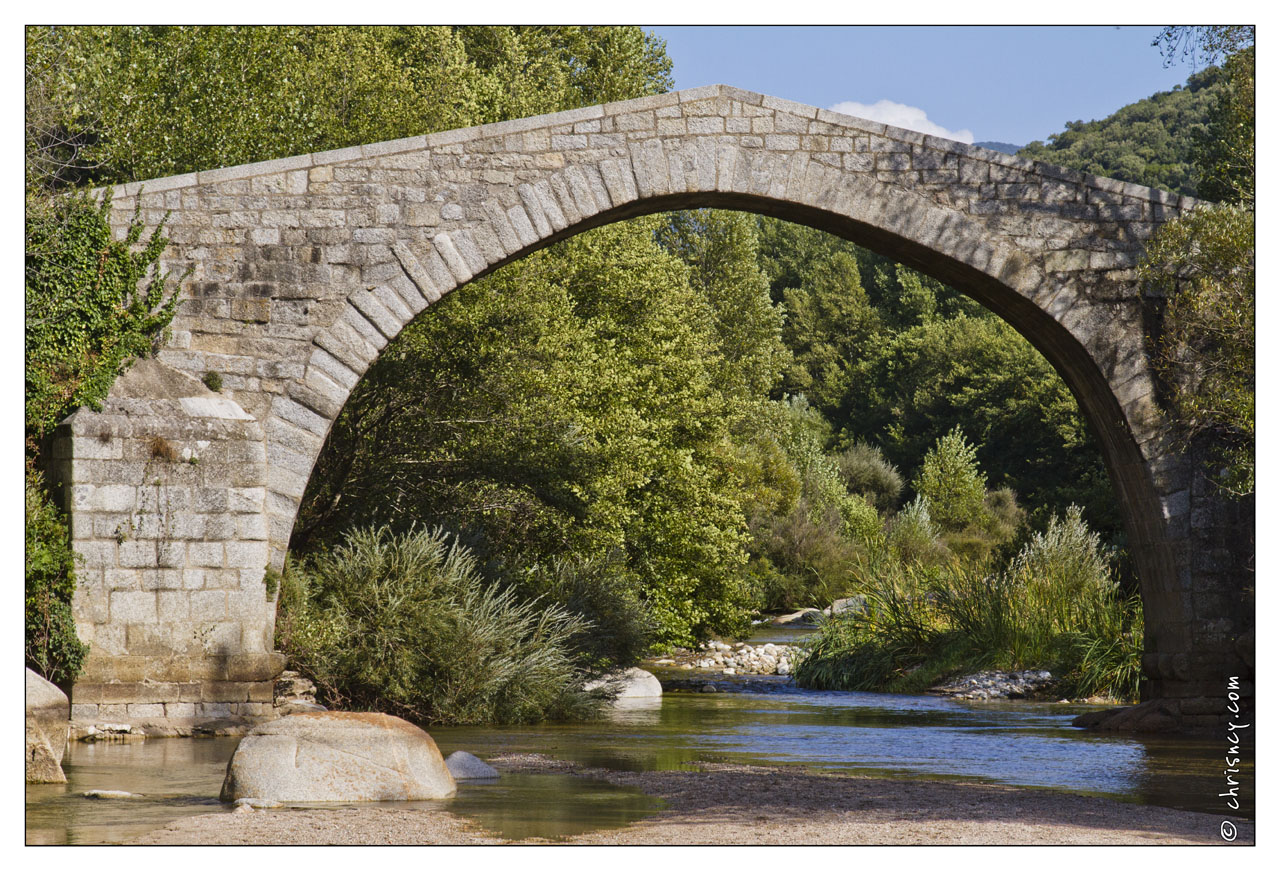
(633,683)
(48,723)
(337,756)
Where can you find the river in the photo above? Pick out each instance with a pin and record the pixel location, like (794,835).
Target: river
(1018,743)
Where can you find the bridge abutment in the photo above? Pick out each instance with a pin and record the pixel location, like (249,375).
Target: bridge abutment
(166,488)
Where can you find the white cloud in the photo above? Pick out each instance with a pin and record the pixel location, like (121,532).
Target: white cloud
(900,115)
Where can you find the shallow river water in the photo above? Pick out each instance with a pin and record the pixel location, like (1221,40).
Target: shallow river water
(1016,743)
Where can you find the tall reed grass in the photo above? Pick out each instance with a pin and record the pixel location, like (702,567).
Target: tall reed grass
(1055,606)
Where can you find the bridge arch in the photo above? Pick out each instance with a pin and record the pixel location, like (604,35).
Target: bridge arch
(304,269)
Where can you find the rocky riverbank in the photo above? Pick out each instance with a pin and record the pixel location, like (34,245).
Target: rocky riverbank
(714,661)
(997,685)
(732,659)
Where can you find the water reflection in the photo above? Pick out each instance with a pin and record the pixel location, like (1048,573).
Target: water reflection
(1015,743)
(550,806)
(176,777)
(171,778)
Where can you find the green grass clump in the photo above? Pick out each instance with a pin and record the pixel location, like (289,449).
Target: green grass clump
(407,625)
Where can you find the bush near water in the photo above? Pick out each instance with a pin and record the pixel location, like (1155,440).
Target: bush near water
(406,624)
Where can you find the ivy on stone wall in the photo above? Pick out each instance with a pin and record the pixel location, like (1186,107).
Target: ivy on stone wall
(93,303)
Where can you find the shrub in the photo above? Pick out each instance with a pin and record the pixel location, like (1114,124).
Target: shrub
(868,474)
(1064,574)
(988,540)
(862,522)
(1055,606)
(213,381)
(52,647)
(879,648)
(952,483)
(1004,516)
(1110,655)
(616,631)
(803,558)
(913,536)
(407,625)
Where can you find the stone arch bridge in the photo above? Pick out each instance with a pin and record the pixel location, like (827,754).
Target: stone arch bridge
(303,269)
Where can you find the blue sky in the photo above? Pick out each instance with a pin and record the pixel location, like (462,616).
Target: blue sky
(1007,84)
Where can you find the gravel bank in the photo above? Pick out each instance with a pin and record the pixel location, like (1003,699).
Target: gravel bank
(739,804)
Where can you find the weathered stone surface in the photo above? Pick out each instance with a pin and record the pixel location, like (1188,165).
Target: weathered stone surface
(48,722)
(634,683)
(304,268)
(337,756)
(464,766)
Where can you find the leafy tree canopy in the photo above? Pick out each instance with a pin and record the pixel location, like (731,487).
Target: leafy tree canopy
(1151,142)
(118,104)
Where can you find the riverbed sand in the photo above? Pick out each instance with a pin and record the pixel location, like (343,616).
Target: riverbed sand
(714,803)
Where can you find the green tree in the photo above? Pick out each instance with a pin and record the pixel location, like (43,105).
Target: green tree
(565,407)
(952,483)
(1225,152)
(829,323)
(721,250)
(1203,266)
(979,374)
(143,102)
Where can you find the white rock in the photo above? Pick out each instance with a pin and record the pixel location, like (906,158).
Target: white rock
(337,756)
(634,683)
(464,766)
